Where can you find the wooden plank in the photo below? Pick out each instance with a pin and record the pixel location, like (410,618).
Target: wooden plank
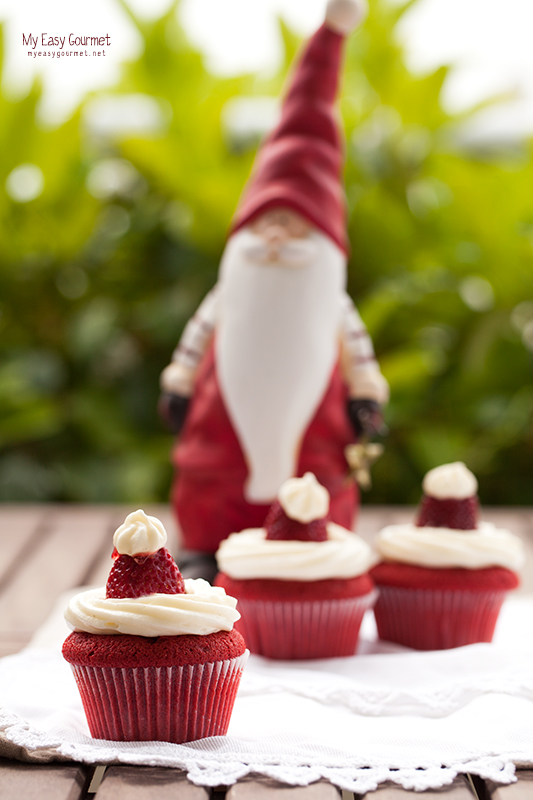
(18,526)
(19,781)
(59,560)
(258,787)
(460,789)
(522,790)
(98,571)
(148,783)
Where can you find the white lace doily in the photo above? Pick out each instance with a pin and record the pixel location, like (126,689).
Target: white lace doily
(417,719)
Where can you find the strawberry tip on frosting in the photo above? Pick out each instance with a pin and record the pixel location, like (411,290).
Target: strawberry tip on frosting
(300,511)
(450,499)
(142,565)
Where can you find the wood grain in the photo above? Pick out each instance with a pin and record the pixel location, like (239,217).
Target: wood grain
(261,788)
(522,790)
(460,789)
(20,781)
(58,561)
(20,524)
(148,783)
(50,549)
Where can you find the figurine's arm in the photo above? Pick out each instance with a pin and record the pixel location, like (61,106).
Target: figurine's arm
(177,380)
(368,390)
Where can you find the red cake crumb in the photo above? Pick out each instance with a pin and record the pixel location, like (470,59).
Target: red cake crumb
(268,588)
(142,575)
(416,577)
(448,512)
(280,526)
(125,650)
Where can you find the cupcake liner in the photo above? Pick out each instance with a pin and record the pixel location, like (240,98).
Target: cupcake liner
(436,619)
(172,704)
(309,629)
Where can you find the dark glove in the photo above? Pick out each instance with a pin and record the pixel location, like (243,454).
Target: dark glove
(172,409)
(366,417)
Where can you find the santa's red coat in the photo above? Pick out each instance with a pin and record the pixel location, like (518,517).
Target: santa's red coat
(208,490)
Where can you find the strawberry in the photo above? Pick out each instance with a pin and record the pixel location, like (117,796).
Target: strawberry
(448,513)
(144,574)
(279,526)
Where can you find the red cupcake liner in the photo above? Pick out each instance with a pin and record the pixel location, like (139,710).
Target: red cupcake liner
(300,630)
(171,704)
(436,619)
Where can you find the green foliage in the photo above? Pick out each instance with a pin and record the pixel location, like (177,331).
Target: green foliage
(95,286)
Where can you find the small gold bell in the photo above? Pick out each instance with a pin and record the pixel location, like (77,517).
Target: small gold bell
(360,458)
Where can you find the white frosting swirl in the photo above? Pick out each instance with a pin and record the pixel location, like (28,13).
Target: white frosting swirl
(203,609)
(250,554)
(486,546)
(139,533)
(450,481)
(304,499)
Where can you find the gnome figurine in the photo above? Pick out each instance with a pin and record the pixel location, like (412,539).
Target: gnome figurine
(275,374)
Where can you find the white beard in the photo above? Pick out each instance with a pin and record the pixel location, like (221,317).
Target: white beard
(277,344)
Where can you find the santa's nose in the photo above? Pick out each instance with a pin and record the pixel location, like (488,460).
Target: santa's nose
(275,234)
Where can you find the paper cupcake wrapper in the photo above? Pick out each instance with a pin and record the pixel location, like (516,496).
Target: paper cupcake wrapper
(171,704)
(436,619)
(308,629)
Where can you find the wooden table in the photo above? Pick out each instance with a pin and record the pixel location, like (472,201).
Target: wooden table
(49,549)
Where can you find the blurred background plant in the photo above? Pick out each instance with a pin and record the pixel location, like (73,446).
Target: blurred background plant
(111,230)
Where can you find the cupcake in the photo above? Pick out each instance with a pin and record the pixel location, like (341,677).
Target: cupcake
(442,581)
(155,657)
(301,582)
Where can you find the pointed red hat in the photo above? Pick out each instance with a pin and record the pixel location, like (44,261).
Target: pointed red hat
(299,166)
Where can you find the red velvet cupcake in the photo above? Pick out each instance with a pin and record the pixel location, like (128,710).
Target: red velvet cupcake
(155,657)
(443,580)
(302,583)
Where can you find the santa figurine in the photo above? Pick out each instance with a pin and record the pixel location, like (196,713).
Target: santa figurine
(275,374)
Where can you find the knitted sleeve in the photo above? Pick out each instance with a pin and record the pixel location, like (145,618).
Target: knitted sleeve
(359,366)
(178,377)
